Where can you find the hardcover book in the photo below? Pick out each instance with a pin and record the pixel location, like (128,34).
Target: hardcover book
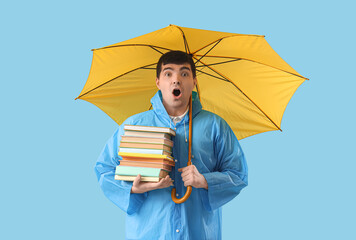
(143,171)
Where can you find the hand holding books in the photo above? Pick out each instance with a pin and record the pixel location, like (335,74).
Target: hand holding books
(140,187)
(146,151)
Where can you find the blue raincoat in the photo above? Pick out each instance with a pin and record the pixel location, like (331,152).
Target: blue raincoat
(216,154)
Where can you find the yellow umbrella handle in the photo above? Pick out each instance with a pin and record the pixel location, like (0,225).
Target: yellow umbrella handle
(189,188)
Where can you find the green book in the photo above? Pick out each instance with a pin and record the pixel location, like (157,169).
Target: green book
(143,171)
(132,178)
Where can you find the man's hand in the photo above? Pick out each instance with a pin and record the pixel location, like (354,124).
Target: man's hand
(192,177)
(141,187)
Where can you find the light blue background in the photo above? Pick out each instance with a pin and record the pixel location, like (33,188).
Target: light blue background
(301,180)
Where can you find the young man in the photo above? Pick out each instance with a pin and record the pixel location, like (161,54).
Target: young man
(217,174)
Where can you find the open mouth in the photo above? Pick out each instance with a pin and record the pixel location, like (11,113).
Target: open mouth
(176,92)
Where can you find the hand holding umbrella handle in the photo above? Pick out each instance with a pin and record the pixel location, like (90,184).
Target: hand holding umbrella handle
(189,188)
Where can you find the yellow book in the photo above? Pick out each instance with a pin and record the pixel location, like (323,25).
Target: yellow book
(145,155)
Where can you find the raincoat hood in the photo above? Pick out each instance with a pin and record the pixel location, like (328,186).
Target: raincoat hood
(161,112)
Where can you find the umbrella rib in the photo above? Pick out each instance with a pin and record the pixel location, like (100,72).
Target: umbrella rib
(297,75)
(198,90)
(187,50)
(156,49)
(235,59)
(227,79)
(211,75)
(217,42)
(144,67)
(134,45)
(233,35)
(149,68)
(208,51)
(218,63)
(220,39)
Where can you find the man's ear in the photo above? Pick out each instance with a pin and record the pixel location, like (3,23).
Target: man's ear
(157,83)
(195,81)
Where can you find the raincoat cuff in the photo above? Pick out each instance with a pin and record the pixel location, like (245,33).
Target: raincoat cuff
(205,193)
(135,201)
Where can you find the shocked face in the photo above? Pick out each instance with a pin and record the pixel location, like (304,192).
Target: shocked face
(176,83)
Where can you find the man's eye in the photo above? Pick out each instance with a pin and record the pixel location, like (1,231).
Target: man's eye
(167,74)
(184,74)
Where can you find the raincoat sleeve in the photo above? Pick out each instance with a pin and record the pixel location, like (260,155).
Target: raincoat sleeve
(230,175)
(117,191)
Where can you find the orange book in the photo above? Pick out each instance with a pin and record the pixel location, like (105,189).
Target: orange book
(145,164)
(150,160)
(134,139)
(146,145)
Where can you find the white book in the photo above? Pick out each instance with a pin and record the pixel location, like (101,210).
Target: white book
(150,129)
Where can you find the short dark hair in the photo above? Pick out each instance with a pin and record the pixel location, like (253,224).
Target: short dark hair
(175,57)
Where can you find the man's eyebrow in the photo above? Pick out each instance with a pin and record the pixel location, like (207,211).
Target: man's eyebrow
(182,68)
(185,68)
(167,68)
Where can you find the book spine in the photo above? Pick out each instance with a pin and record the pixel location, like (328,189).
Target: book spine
(133,139)
(141,150)
(149,165)
(148,160)
(132,178)
(130,133)
(149,129)
(145,156)
(133,171)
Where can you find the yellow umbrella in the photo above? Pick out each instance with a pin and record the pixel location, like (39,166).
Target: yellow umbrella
(240,77)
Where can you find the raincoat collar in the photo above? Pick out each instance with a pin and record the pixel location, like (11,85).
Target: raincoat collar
(161,112)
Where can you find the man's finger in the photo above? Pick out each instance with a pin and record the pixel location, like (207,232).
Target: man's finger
(163,180)
(187,178)
(190,167)
(186,173)
(188,182)
(137,180)
(182,170)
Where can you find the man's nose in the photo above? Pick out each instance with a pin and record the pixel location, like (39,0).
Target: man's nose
(176,80)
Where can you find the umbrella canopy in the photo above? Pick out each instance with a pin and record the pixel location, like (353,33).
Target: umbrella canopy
(240,77)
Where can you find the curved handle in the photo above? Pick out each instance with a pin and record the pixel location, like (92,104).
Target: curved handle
(189,188)
(184,198)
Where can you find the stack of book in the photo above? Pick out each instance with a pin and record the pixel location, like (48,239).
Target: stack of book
(146,151)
